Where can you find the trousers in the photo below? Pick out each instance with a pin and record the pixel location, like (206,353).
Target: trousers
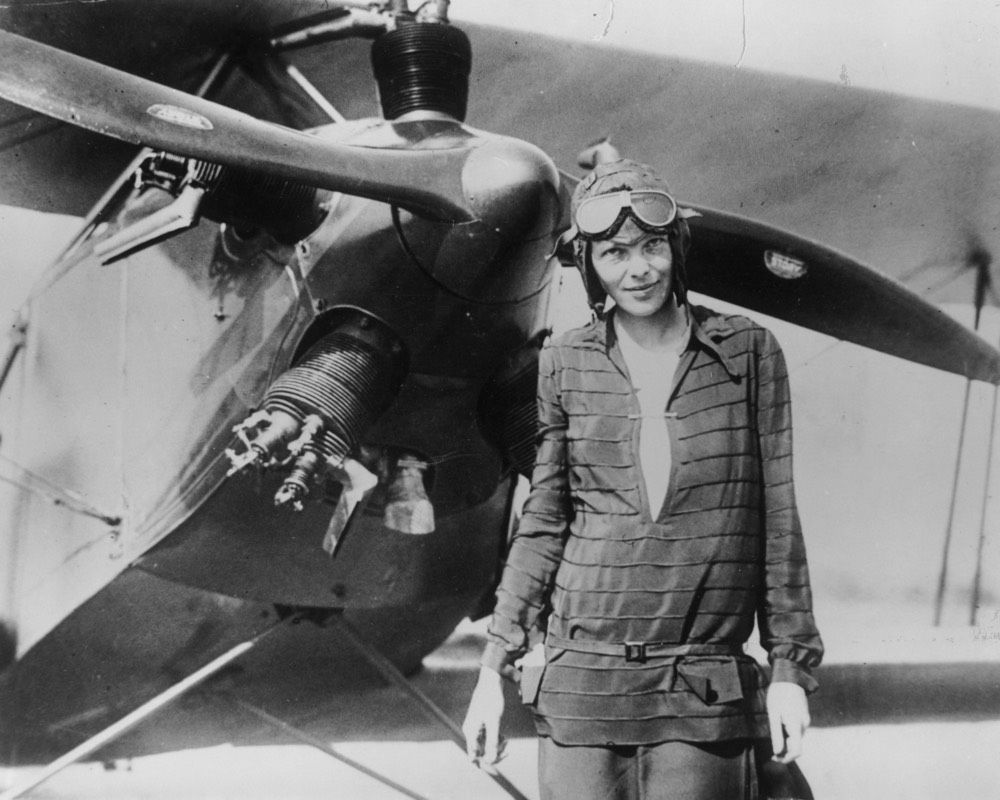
(663,771)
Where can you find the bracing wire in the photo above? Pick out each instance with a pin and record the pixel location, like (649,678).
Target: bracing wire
(36,484)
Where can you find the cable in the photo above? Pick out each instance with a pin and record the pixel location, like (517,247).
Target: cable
(36,484)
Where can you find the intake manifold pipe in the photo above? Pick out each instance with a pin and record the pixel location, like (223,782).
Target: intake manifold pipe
(314,414)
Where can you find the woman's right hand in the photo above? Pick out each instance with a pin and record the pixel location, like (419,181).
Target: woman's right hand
(482,721)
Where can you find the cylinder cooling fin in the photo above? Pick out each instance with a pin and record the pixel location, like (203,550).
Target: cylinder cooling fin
(423,66)
(313,415)
(508,414)
(347,379)
(288,210)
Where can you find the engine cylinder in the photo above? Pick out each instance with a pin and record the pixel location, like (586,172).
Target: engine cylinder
(508,414)
(423,66)
(288,210)
(347,378)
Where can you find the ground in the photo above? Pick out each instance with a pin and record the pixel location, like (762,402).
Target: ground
(914,752)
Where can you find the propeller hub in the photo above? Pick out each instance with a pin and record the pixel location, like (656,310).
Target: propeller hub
(513,188)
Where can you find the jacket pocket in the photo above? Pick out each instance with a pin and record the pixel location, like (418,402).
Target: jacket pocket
(713,682)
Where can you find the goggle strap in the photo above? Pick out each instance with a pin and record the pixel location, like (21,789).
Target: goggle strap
(565,238)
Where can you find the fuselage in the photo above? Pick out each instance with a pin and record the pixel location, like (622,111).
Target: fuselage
(135,372)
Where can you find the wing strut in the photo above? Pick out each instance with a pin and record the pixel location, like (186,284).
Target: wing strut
(129,721)
(319,744)
(391,673)
(983,283)
(17,341)
(987,483)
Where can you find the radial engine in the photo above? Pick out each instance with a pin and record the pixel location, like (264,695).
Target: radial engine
(312,417)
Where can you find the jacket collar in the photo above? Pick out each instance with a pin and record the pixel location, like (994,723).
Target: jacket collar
(709,332)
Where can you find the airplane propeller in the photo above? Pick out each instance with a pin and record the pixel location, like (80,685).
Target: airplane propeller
(430,182)
(459,181)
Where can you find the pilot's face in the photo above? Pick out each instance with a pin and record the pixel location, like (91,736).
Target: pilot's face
(635,268)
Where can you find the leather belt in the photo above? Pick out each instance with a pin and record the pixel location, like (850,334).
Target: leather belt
(640,651)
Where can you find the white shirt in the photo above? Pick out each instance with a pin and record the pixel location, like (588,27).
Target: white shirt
(652,376)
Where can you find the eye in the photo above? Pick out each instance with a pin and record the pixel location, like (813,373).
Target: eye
(657,245)
(611,254)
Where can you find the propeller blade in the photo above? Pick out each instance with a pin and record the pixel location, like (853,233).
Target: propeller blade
(124,106)
(784,276)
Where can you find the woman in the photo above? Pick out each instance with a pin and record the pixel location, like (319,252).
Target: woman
(660,523)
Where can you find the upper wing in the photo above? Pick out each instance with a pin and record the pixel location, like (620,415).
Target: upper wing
(785,276)
(796,152)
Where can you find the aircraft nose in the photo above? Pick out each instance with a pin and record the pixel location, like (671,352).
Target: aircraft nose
(513,187)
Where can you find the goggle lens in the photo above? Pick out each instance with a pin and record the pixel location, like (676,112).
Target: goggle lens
(598,215)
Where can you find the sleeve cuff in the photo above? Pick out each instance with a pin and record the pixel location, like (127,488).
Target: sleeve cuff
(784,670)
(498,659)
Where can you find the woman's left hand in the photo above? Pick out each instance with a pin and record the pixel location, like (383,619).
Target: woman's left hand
(788,714)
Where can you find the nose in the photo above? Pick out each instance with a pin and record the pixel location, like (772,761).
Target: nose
(638,263)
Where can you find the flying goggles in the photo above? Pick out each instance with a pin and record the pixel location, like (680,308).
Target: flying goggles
(601,216)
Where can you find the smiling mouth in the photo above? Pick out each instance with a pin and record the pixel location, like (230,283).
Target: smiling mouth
(641,289)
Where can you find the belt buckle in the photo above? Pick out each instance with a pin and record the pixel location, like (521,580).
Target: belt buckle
(635,651)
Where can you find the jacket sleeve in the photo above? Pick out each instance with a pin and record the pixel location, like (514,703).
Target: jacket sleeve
(785,619)
(536,547)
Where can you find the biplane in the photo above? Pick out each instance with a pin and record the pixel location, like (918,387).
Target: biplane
(284,372)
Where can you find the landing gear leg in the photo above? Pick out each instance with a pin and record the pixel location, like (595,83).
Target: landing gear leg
(129,721)
(319,744)
(391,673)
